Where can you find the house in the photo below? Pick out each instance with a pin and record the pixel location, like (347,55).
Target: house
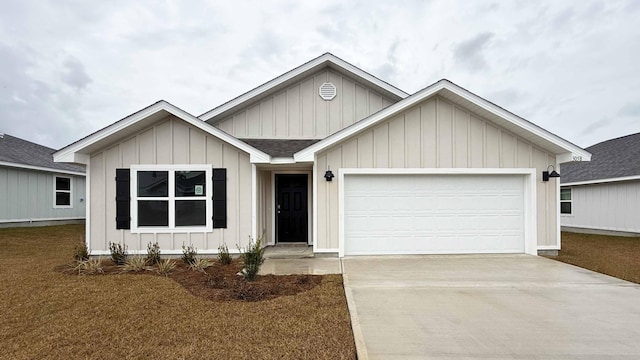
(603,195)
(331,156)
(34,190)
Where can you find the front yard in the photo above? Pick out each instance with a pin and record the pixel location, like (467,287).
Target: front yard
(47,313)
(612,255)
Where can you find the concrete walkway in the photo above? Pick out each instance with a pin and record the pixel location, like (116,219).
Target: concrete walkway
(489,307)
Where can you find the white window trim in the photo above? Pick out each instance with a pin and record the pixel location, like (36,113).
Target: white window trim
(171,198)
(70,192)
(564,201)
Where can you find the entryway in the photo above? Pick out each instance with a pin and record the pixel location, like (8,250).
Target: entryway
(291,205)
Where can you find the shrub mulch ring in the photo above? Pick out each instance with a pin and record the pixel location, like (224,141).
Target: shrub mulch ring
(222,282)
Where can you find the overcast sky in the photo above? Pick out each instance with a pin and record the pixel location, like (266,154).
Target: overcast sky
(68,68)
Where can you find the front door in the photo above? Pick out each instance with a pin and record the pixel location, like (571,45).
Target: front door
(291,208)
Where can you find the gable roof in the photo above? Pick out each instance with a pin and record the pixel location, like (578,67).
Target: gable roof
(79,151)
(16,152)
(452,92)
(615,159)
(278,147)
(326,60)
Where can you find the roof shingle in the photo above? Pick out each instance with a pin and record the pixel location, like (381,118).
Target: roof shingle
(279,147)
(23,152)
(619,157)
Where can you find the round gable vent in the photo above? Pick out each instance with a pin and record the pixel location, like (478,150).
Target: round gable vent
(327,91)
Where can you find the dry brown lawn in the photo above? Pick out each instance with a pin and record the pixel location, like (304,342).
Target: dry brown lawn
(47,314)
(612,255)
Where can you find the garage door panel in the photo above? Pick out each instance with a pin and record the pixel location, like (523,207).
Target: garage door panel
(400,214)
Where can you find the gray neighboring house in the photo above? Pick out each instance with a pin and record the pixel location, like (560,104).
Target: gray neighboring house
(34,190)
(603,195)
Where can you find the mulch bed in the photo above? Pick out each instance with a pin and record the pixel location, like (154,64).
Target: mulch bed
(222,282)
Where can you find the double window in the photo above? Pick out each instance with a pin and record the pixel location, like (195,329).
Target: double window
(565,201)
(171,198)
(61,192)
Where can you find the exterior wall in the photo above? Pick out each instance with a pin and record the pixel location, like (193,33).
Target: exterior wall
(435,134)
(265,207)
(607,206)
(27,195)
(171,141)
(298,112)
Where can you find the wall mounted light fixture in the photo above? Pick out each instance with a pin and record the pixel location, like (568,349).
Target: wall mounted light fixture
(328,175)
(553,174)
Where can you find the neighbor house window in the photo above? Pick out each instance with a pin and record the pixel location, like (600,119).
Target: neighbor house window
(172,197)
(61,192)
(565,201)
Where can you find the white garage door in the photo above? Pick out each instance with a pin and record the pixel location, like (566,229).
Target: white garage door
(433,214)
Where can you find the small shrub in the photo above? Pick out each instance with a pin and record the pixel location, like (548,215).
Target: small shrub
(200,264)
(118,253)
(153,253)
(89,266)
(223,255)
(80,252)
(253,258)
(166,266)
(189,254)
(136,263)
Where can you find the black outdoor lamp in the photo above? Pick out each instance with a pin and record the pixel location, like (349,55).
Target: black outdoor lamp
(553,174)
(328,175)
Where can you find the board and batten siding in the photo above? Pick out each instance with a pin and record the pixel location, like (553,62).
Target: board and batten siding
(606,206)
(435,134)
(27,195)
(299,112)
(264,206)
(170,141)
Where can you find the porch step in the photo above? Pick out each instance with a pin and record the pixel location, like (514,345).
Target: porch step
(288,252)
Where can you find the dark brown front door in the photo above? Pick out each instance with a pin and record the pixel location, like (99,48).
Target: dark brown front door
(291,208)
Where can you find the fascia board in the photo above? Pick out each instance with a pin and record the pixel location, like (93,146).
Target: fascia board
(41,168)
(529,126)
(308,153)
(68,153)
(296,72)
(601,181)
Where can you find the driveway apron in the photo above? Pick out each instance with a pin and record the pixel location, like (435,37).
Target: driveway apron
(489,307)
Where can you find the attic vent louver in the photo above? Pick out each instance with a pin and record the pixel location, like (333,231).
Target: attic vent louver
(327,91)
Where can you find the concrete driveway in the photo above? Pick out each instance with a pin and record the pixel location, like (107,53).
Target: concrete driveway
(489,307)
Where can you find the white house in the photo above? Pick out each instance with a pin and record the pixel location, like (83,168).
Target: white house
(603,195)
(331,156)
(34,190)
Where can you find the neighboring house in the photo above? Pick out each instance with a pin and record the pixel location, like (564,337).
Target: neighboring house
(603,194)
(326,154)
(34,190)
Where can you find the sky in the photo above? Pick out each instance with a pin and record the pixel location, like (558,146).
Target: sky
(69,68)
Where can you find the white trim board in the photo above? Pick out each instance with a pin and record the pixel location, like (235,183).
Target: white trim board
(310,208)
(76,151)
(292,74)
(456,91)
(602,181)
(530,229)
(42,219)
(40,168)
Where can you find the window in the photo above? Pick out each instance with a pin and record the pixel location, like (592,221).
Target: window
(565,201)
(169,198)
(62,192)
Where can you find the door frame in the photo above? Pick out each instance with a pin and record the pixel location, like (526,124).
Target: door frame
(309,174)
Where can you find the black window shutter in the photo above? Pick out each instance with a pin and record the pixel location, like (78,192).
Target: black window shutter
(123,197)
(219,198)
